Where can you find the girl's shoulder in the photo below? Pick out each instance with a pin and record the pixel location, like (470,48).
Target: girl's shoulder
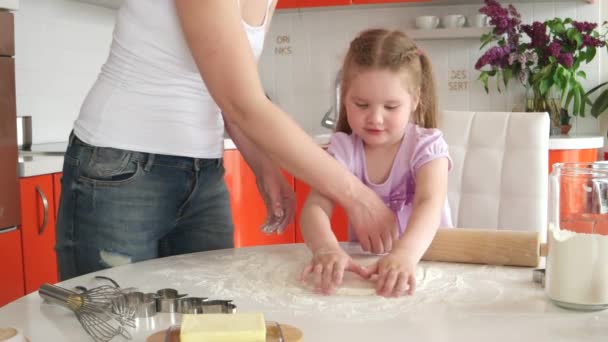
(425,135)
(343,146)
(427,144)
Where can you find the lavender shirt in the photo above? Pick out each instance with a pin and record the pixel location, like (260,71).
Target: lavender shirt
(418,147)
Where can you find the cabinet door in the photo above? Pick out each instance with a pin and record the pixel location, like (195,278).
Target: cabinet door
(7,34)
(11,281)
(56,191)
(248,209)
(38,229)
(321,3)
(339,220)
(287,4)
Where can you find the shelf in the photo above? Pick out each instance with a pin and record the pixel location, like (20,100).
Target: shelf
(451,33)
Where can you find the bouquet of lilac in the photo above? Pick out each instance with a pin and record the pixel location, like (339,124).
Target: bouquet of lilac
(544,56)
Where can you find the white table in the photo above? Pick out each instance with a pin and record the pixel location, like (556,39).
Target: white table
(455,302)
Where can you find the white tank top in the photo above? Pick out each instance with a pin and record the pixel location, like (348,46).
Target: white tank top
(149,96)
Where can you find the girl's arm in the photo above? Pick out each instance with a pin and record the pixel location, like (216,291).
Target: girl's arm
(214,33)
(429,199)
(329,261)
(315,223)
(396,271)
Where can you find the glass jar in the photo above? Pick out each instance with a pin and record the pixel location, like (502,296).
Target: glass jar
(577,260)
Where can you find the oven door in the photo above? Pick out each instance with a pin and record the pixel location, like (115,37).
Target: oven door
(9,182)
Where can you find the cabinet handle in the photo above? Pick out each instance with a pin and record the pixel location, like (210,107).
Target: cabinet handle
(8,230)
(45,204)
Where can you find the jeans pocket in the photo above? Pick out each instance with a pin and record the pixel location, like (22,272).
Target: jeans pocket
(109,166)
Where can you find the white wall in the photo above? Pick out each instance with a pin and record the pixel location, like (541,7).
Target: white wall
(61,44)
(301,82)
(60,47)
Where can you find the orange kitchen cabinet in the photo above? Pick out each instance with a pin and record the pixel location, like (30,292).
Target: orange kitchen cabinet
(38,231)
(248,209)
(57,191)
(321,3)
(287,4)
(572,156)
(11,283)
(339,220)
(363,2)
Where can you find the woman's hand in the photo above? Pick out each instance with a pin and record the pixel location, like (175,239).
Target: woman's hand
(327,269)
(396,274)
(279,198)
(374,224)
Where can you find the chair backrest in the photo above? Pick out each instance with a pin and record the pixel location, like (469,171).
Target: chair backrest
(499,179)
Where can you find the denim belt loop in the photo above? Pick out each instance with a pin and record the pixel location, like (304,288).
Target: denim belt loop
(149,162)
(197,164)
(219,162)
(71,139)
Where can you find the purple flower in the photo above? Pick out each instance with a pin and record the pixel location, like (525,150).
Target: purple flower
(584,27)
(537,33)
(504,20)
(591,41)
(497,56)
(566,60)
(554,49)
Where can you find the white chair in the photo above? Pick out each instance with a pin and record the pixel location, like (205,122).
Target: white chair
(499,179)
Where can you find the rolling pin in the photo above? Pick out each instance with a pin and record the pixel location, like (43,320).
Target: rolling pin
(483,246)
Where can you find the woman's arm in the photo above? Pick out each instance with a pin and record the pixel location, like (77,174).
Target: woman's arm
(220,48)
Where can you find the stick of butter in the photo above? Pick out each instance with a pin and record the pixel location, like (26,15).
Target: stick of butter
(237,327)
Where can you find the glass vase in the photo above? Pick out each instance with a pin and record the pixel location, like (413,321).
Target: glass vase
(551,103)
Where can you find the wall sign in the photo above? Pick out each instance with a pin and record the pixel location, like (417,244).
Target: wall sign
(458,80)
(283,45)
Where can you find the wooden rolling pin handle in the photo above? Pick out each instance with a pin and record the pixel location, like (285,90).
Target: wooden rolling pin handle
(484,246)
(543,250)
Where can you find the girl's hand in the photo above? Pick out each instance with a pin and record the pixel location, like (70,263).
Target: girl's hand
(396,274)
(327,268)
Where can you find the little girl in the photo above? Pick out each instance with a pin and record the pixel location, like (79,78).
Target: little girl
(387,136)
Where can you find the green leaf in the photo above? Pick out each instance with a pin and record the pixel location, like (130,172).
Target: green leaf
(486,39)
(581,74)
(596,88)
(506,75)
(600,105)
(545,84)
(591,51)
(483,77)
(569,99)
(576,101)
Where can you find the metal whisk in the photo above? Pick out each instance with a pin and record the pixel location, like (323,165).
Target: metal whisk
(102,311)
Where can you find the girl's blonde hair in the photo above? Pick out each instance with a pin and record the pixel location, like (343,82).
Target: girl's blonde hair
(395,51)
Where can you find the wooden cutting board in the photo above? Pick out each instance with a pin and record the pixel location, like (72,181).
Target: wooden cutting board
(290,334)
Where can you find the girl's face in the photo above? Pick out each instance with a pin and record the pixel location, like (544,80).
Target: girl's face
(378,106)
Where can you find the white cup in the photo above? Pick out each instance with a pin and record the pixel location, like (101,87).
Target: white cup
(453,20)
(426,22)
(479,20)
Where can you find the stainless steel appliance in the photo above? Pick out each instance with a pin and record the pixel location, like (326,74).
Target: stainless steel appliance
(9,186)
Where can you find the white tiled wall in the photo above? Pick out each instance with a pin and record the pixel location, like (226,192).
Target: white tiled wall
(61,45)
(301,82)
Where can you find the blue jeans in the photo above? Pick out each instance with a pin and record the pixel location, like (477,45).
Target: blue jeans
(120,206)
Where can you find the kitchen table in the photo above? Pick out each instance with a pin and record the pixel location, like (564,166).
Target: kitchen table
(454,302)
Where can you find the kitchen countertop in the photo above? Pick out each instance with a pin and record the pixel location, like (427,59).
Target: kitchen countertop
(453,302)
(12,5)
(34,163)
(47,158)
(575,142)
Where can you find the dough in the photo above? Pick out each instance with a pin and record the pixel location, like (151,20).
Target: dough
(354,285)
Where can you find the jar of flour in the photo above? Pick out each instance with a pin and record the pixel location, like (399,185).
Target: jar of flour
(577,261)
